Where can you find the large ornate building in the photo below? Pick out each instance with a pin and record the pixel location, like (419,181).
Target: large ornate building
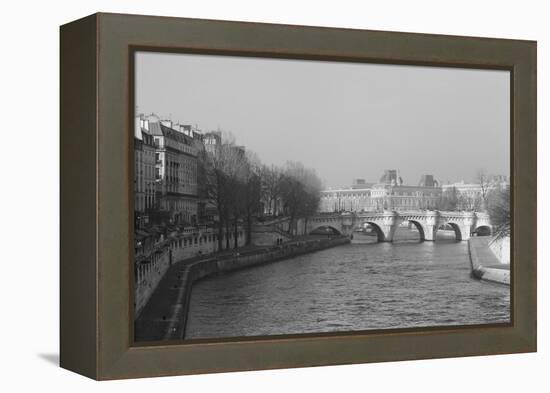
(388,194)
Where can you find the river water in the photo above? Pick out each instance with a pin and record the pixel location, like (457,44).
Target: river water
(359,286)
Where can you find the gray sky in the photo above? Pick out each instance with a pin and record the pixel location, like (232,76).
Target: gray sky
(345,120)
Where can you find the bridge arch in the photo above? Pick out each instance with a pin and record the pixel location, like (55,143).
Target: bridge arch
(420,229)
(325,230)
(380,235)
(483,230)
(456,229)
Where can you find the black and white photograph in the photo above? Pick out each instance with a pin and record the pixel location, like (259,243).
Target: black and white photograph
(289,197)
(276,196)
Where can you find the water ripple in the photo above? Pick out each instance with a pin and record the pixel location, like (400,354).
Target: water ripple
(353,287)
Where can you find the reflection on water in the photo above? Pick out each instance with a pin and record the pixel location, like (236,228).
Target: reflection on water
(353,287)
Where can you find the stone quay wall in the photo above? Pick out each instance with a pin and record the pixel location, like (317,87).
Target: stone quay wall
(193,243)
(187,244)
(500,246)
(485,264)
(198,270)
(147,277)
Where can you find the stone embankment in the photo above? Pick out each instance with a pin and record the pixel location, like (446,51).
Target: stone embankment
(165,315)
(500,246)
(484,262)
(186,244)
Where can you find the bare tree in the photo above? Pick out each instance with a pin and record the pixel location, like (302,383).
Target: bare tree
(499,210)
(484,184)
(300,191)
(271,177)
(220,171)
(252,192)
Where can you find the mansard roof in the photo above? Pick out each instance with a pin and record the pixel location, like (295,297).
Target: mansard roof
(159,129)
(175,135)
(154,129)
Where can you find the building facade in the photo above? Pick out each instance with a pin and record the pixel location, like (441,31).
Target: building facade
(167,181)
(212,141)
(144,173)
(149,187)
(388,194)
(346,199)
(138,175)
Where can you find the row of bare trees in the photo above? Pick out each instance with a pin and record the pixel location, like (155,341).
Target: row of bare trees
(291,190)
(240,188)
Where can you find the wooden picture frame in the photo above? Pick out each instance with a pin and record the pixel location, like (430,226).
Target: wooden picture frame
(97,200)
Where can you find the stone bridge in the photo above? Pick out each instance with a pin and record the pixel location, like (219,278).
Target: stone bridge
(385,223)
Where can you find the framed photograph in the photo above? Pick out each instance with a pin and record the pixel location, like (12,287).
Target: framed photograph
(242,196)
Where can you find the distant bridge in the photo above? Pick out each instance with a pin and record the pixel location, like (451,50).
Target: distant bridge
(386,223)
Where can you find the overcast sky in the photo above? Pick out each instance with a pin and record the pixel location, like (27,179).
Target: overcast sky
(345,120)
